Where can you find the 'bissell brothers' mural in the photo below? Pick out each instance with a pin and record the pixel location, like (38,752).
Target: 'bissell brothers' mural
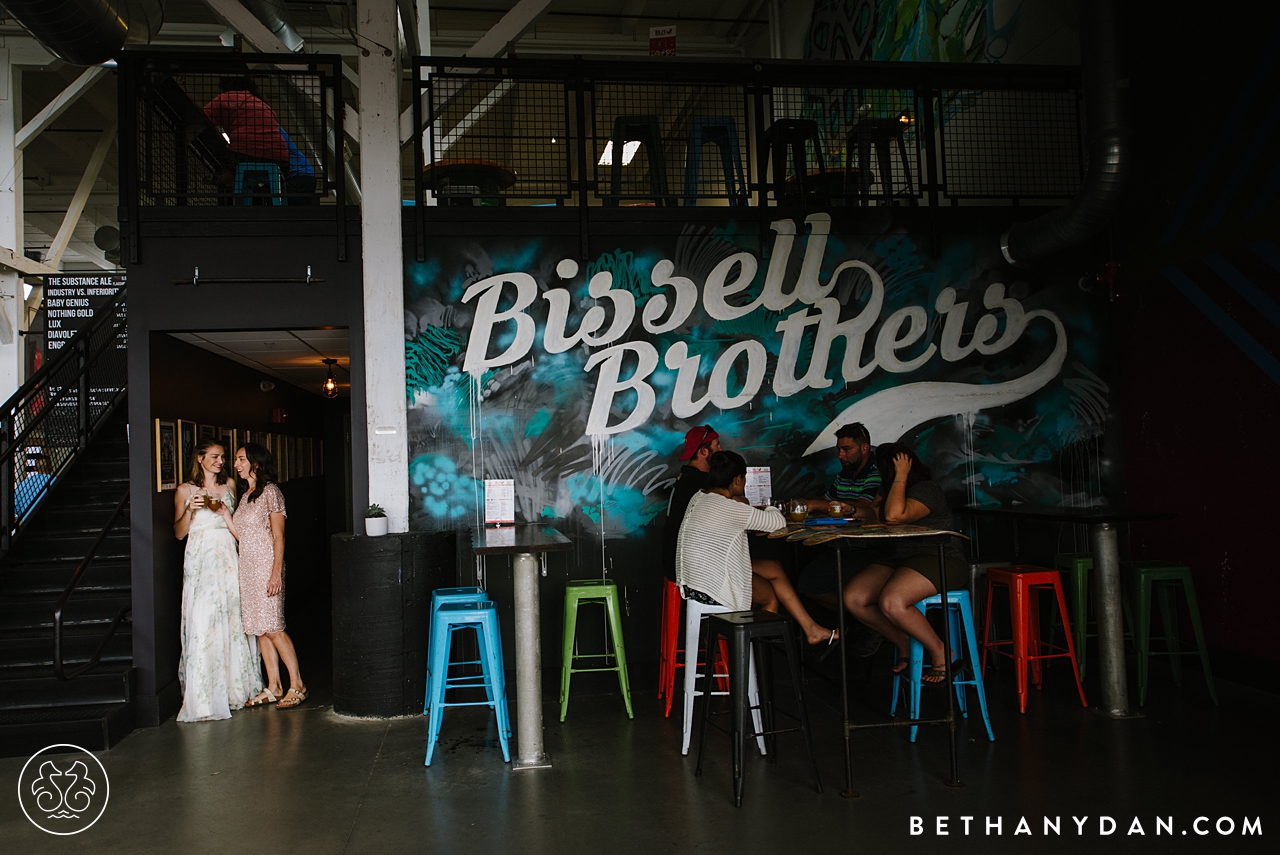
(579,379)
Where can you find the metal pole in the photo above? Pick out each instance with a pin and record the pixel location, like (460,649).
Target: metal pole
(1106,564)
(947,653)
(529,753)
(848,792)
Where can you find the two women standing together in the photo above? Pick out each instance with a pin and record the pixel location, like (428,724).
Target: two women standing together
(228,596)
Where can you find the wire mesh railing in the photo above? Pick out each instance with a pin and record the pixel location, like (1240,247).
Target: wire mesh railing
(231,130)
(582,132)
(48,423)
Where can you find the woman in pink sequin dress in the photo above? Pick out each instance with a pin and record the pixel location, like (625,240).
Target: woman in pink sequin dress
(258,524)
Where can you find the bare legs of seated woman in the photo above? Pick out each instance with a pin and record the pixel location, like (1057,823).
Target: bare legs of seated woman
(884,598)
(770,586)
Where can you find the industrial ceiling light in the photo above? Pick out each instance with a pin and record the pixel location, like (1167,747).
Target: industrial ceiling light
(330,386)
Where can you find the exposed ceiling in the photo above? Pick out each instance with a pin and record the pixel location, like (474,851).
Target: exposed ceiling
(54,162)
(293,356)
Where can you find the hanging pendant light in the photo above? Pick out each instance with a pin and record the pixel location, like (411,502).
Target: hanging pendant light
(330,386)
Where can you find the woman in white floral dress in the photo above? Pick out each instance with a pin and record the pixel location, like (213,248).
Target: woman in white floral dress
(218,669)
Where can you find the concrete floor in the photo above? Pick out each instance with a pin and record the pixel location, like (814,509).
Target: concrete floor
(310,780)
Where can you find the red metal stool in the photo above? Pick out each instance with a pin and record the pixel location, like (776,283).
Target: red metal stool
(1025,583)
(670,653)
(669,644)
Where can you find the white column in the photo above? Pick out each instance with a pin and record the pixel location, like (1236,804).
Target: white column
(383,260)
(12,313)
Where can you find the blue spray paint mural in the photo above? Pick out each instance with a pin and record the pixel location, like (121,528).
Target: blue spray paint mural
(578,380)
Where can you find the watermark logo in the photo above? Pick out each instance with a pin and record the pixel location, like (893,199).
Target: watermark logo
(63,789)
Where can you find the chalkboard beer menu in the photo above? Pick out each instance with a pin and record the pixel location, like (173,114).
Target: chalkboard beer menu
(70,303)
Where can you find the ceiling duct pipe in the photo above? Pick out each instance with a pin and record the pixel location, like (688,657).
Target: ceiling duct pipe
(87,32)
(275,17)
(1108,143)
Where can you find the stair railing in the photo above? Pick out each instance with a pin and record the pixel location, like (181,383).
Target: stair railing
(47,424)
(59,669)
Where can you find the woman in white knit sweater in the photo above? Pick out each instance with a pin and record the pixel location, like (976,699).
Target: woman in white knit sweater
(713,563)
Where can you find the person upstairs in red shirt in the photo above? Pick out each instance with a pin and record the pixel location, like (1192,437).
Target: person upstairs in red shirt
(251,128)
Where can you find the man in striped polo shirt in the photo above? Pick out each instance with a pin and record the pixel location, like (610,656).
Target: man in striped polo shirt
(858,484)
(857,487)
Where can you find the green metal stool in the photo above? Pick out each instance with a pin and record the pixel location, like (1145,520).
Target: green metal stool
(1140,577)
(1076,568)
(605,592)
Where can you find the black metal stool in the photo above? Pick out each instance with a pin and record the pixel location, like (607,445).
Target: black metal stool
(763,629)
(792,136)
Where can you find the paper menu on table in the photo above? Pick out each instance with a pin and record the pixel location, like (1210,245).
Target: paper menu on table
(759,486)
(499,501)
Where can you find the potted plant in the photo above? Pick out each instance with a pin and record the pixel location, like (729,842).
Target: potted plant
(375,521)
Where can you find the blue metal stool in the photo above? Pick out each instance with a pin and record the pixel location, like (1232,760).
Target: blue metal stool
(960,602)
(723,132)
(483,618)
(439,597)
(253,174)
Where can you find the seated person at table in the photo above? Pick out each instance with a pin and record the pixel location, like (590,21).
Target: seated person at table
(858,484)
(713,564)
(857,487)
(699,444)
(883,595)
(253,132)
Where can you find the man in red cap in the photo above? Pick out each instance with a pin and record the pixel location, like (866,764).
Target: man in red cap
(699,444)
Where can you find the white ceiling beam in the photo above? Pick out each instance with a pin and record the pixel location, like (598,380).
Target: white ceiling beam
(247,25)
(506,32)
(58,106)
(628,17)
(264,41)
(90,177)
(22,264)
(493,43)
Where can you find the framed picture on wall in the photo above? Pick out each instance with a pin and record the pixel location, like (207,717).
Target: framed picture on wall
(308,457)
(166,455)
(207,432)
(227,436)
(282,457)
(317,457)
(294,457)
(186,447)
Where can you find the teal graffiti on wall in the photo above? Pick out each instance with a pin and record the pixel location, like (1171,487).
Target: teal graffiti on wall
(579,380)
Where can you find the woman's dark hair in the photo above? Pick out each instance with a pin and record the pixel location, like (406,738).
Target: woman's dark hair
(884,462)
(196,476)
(724,466)
(261,464)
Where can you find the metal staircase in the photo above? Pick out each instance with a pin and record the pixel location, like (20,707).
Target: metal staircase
(66,656)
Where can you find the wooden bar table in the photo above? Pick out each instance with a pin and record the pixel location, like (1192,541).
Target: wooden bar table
(1102,524)
(832,536)
(525,542)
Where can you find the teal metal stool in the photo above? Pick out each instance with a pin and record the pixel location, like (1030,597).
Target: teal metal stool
(251,177)
(961,621)
(439,597)
(1140,578)
(604,591)
(483,618)
(1076,568)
